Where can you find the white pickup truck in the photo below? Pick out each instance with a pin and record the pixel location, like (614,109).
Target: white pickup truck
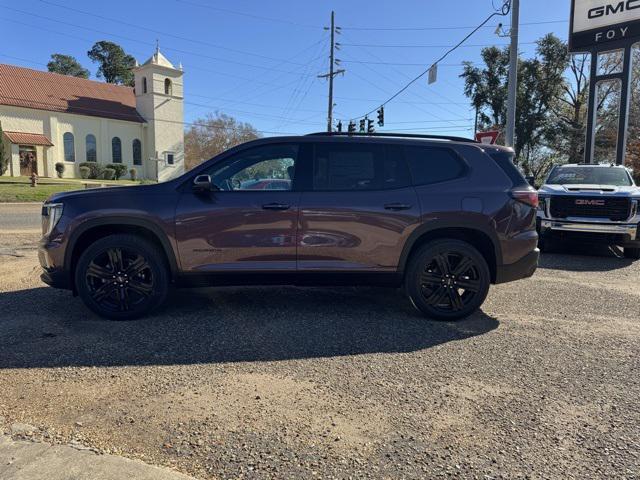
(590,203)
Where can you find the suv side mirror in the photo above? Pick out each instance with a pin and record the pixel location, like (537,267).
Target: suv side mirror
(202,183)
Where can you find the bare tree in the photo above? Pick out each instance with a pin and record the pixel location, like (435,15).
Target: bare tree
(206,137)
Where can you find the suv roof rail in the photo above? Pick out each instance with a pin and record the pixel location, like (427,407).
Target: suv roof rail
(389,134)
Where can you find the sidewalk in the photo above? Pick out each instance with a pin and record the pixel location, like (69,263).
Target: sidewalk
(24,460)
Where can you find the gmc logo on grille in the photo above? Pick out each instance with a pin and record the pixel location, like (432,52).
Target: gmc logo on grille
(591,203)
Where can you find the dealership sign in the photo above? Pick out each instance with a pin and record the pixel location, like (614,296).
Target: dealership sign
(595,23)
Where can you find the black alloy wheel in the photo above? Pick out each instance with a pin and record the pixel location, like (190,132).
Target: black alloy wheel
(448,279)
(122,277)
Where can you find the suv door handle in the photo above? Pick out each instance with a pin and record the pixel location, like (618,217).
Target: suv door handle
(276,206)
(397,206)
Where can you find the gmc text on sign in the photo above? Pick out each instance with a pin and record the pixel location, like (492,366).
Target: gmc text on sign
(598,22)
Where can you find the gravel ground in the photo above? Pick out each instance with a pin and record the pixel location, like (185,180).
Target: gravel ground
(336,383)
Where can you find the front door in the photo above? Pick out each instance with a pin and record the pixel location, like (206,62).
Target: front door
(250,223)
(359,210)
(28,161)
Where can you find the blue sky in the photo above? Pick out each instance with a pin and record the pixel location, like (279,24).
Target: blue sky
(259,60)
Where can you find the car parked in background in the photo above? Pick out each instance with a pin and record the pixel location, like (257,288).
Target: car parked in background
(443,217)
(590,203)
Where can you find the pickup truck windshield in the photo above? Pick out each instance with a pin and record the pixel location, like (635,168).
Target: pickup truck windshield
(617,177)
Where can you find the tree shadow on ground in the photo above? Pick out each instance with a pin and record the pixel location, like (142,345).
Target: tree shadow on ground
(43,327)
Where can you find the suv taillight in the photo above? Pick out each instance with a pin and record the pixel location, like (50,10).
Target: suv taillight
(527,195)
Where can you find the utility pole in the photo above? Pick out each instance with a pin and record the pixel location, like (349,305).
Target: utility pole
(332,72)
(513,74)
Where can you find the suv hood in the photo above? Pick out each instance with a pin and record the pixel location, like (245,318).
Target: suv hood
(107,191)
(590,190)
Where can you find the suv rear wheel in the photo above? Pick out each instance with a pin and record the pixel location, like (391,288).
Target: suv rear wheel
(122,277)
(447,279)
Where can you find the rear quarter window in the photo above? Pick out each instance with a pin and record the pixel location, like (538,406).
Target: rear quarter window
(430,165)
(505,162)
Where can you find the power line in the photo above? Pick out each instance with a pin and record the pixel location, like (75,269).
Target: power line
(112,114)
(425,29)
(503,12)
(164,33)
(249,15)
(432,46)
(76,37)
(185,52)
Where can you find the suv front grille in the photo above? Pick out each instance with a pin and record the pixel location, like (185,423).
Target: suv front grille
(613,208)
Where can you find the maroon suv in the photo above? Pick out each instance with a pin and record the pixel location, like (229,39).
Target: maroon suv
(442,217)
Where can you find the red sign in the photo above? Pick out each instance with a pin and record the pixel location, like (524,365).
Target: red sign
(488,138)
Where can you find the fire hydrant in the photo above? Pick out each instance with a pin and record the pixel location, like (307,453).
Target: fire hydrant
(34,179)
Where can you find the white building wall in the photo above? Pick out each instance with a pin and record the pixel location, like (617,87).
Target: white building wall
(54,125)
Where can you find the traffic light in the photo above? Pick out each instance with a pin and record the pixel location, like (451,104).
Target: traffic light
(381,117)
(362,130)
(370,128)
(339,126)
(352,127)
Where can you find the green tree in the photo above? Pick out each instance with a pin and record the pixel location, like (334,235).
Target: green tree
(4,162)
(540,83)
(213,134)
(115,64)
(67,65)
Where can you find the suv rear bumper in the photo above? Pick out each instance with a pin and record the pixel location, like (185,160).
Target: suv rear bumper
(523,268)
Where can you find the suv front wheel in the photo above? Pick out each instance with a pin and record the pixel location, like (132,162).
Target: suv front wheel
(447,279)
(122,277)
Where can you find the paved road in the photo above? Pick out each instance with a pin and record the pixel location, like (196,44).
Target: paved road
(21,460)
(270,382)
(20,216)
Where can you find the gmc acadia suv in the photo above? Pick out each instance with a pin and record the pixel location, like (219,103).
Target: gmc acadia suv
(590,203)
(442,216)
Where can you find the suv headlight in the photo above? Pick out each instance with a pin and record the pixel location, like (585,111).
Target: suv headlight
(51,214)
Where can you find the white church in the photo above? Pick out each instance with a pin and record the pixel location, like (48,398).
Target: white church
(49,118)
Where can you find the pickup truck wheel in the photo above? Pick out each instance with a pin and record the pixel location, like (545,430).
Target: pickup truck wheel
(447,279)
(632,253)
(122,277)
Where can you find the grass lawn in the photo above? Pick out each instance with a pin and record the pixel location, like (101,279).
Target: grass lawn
(19,189)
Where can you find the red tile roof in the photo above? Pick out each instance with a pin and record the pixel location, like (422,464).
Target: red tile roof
(20,138)
(24,87)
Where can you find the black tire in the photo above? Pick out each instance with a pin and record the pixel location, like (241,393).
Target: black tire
(632,253)
(436,277)
(122,277)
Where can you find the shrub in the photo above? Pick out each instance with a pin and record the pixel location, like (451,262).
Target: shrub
(60,169)
(108,173)
(95,169)
(84,172)
(133,173)
(119,169)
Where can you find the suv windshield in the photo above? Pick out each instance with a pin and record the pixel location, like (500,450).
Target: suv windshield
(617,177)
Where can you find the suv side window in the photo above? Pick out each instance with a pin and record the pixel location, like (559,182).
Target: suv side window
(269,167)
(433,164)
(360,166)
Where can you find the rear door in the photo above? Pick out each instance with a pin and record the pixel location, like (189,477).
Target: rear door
(357,208)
